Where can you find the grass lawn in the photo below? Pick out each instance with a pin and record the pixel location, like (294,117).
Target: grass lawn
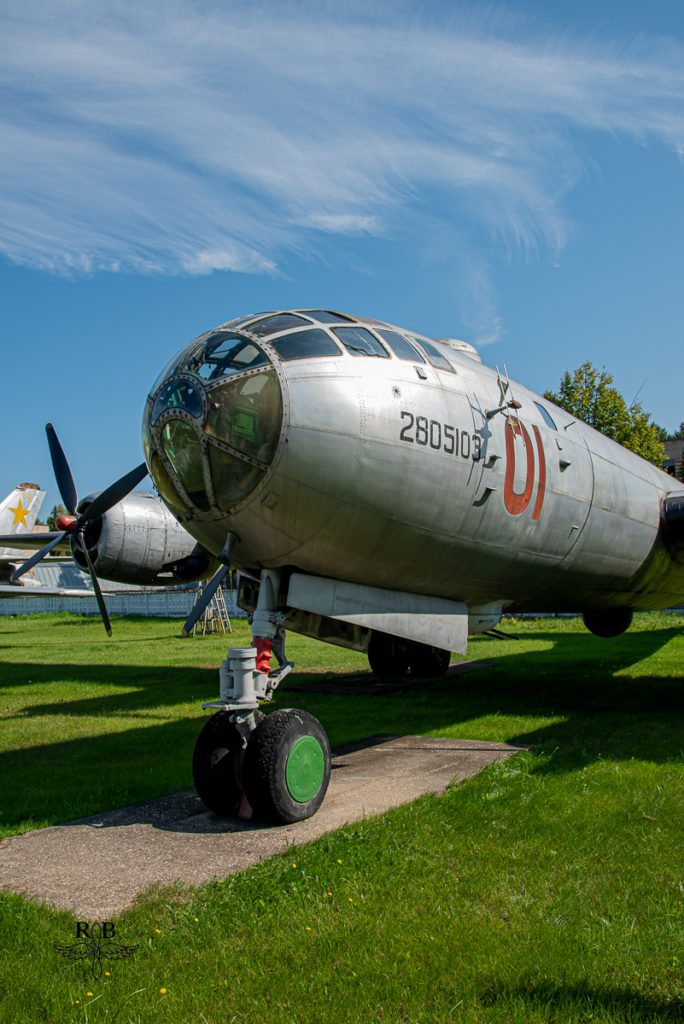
(548,888)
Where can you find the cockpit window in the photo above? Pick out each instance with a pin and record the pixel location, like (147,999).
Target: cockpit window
(277,323)
(324,316)
(240,320)
(178,394)
(360,342)
(224,353)
(165,485)
(305,345)
(401,347)
(182,448)
(247,414)
(434,355)
(173,366)
(232,478)
(546,416)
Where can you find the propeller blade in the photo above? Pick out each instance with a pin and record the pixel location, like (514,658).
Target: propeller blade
(114,493)
(96,587)
(203,600)
(65,481)
(34,559)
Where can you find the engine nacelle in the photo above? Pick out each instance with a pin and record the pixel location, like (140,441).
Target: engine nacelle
(672,526)
(139,541)
(608,622)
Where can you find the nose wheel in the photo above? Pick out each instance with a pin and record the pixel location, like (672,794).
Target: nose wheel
(286,769)
(217,764)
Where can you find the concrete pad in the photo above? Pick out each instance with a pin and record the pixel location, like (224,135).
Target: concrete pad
(96,866)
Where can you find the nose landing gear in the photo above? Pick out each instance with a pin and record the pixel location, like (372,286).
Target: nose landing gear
(279,762)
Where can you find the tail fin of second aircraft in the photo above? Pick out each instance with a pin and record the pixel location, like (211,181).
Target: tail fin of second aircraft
(19,511)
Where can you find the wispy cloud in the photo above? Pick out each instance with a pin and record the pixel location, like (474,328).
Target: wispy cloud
(186,137)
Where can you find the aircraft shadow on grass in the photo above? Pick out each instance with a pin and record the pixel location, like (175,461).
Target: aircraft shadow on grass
(598,713)
(586,1000)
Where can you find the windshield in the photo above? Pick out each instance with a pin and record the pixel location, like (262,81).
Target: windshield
(224,353)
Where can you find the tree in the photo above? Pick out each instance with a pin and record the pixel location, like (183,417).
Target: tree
(57,510)
(677,435)
(589,394)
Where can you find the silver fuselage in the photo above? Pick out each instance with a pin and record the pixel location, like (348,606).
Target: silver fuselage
(402,475)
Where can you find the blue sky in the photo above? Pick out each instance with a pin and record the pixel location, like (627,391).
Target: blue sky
(510,174)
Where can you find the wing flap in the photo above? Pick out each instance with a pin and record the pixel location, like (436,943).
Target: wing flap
(434,621)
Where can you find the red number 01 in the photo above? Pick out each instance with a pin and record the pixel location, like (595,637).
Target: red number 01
(517,502)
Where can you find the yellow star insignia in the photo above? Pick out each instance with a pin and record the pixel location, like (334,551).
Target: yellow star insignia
(20,514)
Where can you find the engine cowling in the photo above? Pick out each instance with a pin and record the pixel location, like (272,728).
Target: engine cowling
(672,526)
(139,541)
(608,622)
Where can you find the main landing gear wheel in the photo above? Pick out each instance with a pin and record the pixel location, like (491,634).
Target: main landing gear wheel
(391,657)
(286,767)
(217,764)
(429,662)
(388,656)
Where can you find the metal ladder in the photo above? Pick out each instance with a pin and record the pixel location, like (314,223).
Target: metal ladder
(215,615)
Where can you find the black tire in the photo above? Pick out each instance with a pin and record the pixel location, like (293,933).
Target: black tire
(609,623)
(217,764)
(286,768)
(428,662)
(388,656)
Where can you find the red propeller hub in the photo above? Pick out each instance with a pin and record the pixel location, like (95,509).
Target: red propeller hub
(66,523)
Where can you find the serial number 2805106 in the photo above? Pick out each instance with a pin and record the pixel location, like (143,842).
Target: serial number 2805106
(440,436)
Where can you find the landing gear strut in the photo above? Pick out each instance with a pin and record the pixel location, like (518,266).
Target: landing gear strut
(279,762)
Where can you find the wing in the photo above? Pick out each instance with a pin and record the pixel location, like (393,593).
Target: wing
(60,578)
(27,541)
(16,590)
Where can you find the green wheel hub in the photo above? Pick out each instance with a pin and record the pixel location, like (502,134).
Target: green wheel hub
(305,769)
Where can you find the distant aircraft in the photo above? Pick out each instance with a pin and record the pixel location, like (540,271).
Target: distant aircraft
(379,490)
(61,577)
(138,541)
(19,511)
(18,514)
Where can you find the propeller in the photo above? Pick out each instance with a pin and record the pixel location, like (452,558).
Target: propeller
(212,586)
(72,524)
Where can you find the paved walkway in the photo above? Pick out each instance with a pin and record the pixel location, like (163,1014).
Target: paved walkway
(95,867)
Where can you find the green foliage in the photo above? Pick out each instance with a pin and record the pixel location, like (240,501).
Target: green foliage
(589,394)
(678,434)
(57,510)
